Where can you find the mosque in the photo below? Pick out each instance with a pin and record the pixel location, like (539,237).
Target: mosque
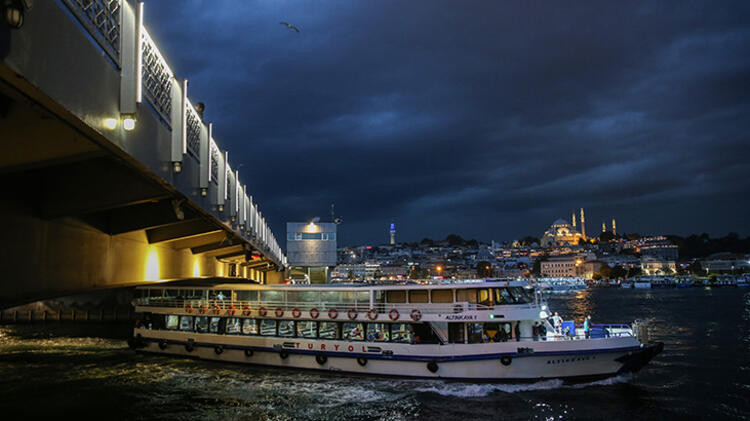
(562,233)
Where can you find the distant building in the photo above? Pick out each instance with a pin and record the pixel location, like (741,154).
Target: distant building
(653,266)
(311,250)
(392,231)
(726,262)
(561,267)
(561,233)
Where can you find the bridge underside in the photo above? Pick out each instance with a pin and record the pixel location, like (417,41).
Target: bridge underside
(80,215)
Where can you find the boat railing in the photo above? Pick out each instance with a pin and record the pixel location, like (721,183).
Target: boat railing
(271,308)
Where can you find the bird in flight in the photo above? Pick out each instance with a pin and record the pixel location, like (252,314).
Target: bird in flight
(290,26)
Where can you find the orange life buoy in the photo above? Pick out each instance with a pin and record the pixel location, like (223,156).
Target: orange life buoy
(333,313)
(230,310)
(202,309)
(246,310)
(372,314)
(393,314)
(416,315)
(216,309)
(262,311)
(189,308)
(279,311)
(352,313)
(314,313)
(296,313)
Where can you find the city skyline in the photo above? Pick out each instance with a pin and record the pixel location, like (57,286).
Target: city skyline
(490,121)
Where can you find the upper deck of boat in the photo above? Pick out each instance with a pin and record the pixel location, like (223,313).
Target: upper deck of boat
(218,283)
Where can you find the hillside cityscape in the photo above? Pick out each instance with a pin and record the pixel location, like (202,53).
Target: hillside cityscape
(563,251)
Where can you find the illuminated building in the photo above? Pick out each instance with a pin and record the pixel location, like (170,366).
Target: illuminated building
(311,250)
(393,233)
(559,234)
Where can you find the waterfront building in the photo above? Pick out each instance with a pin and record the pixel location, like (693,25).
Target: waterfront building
(561,267)
(311,250)
(561,233)
(653,266)
(726,262)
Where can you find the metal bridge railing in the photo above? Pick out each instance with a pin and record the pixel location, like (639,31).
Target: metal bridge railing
(101,18)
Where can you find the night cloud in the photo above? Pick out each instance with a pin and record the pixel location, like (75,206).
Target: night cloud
(487,119)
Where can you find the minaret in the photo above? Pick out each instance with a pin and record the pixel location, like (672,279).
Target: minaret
(614,227)
(604,227)
(574,220)
(583,225)
(393,233)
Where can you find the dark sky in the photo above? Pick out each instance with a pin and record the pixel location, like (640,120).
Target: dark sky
(483,118)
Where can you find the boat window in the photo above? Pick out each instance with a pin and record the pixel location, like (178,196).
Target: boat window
(156,293)
(186,323)
(249,327)
(503,296)
(234,326)
(307,329)
(522,295)
(378,332)
(170,293)
(286,327)
(272,296)
(353,332)
(456,333)
(201,324)
(213,327)
(173,322)
(395,296)
(442,295)
(303,296)
(419,296)
(247,296)
(379,297)
(485,297)
(362,297)
(468,295)
(337,296)
(220,295)
(475,333)
(401,332)
(329,330)
(268,327)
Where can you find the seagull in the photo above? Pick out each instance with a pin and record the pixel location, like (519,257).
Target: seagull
(289,26)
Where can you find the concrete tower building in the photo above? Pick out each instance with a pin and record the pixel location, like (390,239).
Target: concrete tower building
(614,226)
(393,233)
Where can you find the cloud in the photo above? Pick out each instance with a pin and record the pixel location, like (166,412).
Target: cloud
(485,119)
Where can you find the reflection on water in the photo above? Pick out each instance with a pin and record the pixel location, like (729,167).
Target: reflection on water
(87,371)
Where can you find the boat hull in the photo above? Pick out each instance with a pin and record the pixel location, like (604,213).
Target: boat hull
(567,364)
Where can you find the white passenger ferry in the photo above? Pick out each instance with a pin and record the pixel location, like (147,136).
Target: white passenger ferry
(484,331)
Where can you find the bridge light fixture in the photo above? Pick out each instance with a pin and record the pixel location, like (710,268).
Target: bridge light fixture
(13,14)
(110,123)
(128,122)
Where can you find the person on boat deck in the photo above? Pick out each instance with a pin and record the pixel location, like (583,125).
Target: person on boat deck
(506,332)
(557,323)
(412,338)
(518,331)
(220,295)
(587,326)
(543,331)
(535,331)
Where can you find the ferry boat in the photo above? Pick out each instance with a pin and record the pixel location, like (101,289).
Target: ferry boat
(486,331)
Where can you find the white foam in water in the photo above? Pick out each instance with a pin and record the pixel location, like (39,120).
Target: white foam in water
(469,390)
